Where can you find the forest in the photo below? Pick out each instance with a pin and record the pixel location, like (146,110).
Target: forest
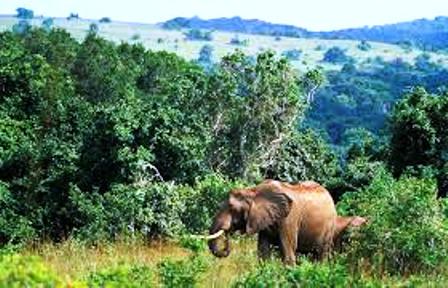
(112,151)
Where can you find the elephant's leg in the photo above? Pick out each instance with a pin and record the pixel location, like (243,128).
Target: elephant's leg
(288,242)
(323,250)
(264,246)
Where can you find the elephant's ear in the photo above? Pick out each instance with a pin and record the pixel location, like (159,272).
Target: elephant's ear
(266,209)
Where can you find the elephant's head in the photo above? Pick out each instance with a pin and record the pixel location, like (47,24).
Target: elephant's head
(248,211)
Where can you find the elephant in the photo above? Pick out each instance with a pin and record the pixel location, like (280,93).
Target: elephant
(299,218)
(342,224)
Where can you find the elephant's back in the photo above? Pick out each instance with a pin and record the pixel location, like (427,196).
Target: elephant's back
(317,214)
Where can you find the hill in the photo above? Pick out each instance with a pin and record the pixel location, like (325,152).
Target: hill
(155,37)
(423,33)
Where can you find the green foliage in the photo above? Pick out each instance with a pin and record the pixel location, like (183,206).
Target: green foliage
(22,27)
(205,58)
(293,54)
(24,13)
(14,227)
(335,55)
(93,28)
(364,46)
(182,273)
(304,156)
(238,42)
(204,200)
(121,275)
(193,244)
(406,231)
(259,105)
(198,35)
(47,24)
(105,20)
(148,210)
(419,136)
(334,273)
(26,271)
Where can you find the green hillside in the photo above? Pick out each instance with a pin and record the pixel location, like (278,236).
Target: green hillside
(155,38)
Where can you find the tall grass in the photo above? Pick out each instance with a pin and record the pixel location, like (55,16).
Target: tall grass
(74,261)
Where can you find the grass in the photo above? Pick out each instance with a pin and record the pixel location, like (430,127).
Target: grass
(73,261)
(155,38)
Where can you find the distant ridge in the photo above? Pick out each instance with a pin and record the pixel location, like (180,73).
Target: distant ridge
(423,33)
(236,24)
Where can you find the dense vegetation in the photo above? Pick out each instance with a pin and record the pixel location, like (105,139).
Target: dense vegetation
(357,96)
(100,142)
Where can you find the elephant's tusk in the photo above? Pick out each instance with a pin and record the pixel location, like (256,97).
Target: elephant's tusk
(211,237)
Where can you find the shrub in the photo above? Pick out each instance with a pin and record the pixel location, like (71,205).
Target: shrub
(182,273)
(267,274)
(151,210)
(304,156)
(237,41)
(335,55)
(196,34)
(105,20)
(123,275)
(406,232)
(23,13)
(94,28)
(293,54)
(307,274)
(364,46)
(24,271)
(206,54)
(47,24)
(203,201)
(22,27)
(14,228)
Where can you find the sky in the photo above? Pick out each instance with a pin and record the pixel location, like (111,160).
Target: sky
(311,14)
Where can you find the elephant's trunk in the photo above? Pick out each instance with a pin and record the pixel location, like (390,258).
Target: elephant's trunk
(219,229)
(213,245)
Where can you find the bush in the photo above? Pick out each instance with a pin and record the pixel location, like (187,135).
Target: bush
(14,228)
(203,201)
(237,41)
(293,54)
(24,13)
(406,231)
(105,20)
(364,46)
(22,27)
(123,275)
(198,35)
(24,271)
(307,274)
(182,273)
(304,156)
(335,55)
(151,210)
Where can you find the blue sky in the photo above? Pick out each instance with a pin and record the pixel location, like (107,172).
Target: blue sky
(310,14)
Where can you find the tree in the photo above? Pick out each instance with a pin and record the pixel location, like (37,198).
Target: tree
(94,28)
(206,54)
(105,20)
(23,13)
(198,35)
(22,27)
(257,107)
(335,55)
(47,24)
(292,54)
(419,138)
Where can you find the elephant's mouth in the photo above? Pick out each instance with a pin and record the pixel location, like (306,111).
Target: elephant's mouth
(219,244)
